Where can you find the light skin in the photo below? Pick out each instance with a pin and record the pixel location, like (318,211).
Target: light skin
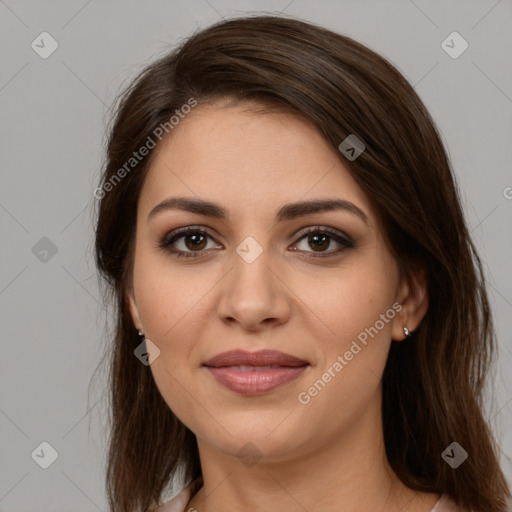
(328,454)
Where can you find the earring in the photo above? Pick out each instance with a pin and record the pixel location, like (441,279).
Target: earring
(141,333)
(407,332)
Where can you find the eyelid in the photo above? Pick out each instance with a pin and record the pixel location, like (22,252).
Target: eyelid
(338,236)
(178,232)
(334,232)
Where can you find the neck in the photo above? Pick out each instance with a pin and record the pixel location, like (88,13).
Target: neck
(344,472)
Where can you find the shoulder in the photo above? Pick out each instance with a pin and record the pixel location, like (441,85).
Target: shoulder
(446,504)
(180,501)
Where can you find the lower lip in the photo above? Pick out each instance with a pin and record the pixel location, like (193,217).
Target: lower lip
(255,382)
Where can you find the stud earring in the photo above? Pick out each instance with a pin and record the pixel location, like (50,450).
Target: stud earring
(407,332)
(141,333)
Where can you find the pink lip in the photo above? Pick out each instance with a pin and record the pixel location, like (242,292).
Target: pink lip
(283,369)
(259,358)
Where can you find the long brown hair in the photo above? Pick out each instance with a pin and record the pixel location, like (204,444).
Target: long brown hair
(433,384)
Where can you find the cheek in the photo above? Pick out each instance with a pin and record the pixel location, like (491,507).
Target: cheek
(348,302)
(356,310)
(345,385)
(172,304)
(170,307)
(168,296)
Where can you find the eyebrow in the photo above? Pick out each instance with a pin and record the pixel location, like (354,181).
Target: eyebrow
(286,212)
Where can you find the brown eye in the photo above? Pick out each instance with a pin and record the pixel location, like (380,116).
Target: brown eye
(195,241)
(186,242)
(320,240)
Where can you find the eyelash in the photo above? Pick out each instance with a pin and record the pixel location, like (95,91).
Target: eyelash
(170,238)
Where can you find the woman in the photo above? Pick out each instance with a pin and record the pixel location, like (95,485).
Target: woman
(302,320)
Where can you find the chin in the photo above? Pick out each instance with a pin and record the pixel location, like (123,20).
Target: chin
(265,439)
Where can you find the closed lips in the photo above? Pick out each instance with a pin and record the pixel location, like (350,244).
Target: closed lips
(248,368)
(261,360)
(255,373)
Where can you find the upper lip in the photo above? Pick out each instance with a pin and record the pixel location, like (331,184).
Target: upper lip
(259,358)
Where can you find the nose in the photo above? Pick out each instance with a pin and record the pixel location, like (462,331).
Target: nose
(254,295)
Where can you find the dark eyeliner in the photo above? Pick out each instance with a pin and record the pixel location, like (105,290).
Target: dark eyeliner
(169,239)
(343,240)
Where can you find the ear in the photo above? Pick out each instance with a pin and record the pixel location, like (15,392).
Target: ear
(134,311)
(413,296)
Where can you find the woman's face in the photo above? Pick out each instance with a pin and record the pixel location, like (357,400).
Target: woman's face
(253,281)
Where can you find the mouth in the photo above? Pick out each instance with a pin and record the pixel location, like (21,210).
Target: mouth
(255,373)
(249,368)
(259,359)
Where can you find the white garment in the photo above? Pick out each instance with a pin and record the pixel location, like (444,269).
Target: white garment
(180,501)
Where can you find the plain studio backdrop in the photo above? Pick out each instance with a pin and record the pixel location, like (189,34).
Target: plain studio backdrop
(63,63)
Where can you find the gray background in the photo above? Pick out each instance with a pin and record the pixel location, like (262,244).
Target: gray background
(54,114)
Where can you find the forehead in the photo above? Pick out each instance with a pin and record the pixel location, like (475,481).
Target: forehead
(244,157)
